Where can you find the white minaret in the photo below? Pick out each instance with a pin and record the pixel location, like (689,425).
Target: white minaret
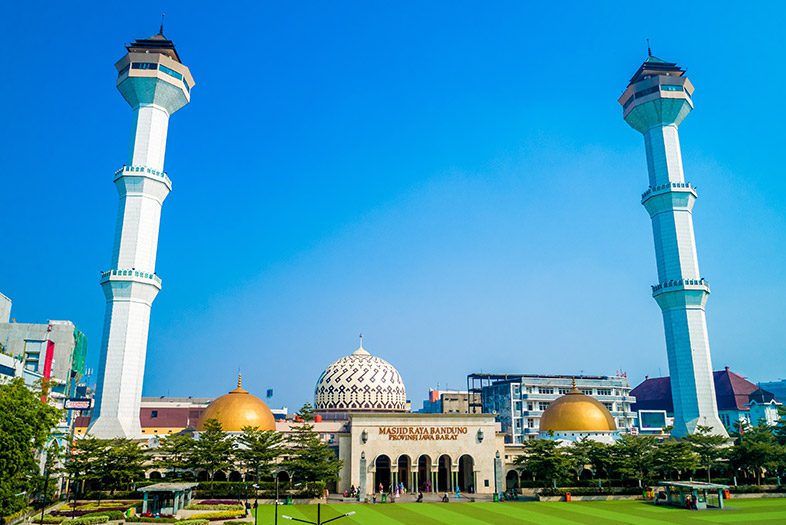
(655,102)
(156,84)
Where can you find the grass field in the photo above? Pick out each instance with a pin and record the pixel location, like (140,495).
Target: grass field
(758,511)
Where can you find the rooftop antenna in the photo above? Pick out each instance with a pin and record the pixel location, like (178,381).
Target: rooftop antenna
(649,49)
(161,28)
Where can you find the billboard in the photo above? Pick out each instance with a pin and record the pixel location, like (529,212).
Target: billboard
(78,404)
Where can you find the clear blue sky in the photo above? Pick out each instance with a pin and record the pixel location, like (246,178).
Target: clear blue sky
(454,180)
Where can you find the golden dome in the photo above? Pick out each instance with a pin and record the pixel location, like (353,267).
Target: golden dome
(576,412)
(238,409)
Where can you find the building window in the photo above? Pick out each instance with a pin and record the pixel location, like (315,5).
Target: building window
(545,390)
(543,406)
(153,414)
(564,391)
(604,392)
(144,65)
(672,87)
(530,406)
(530,422)
(170,72)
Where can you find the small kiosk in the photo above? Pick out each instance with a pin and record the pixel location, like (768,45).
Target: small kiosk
(691,494)
(166,498)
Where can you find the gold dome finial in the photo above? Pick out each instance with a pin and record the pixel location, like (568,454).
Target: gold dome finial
(239,380)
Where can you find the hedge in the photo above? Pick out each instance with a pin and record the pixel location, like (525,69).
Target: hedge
(50,518)
(585,491)
(221,515)
(217,506)
(15,515)
(194,522)
(150,519)
(86,520)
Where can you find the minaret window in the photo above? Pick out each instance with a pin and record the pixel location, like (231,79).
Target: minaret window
(144,65)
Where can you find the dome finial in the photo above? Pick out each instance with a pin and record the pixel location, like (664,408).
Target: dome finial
(361,340)
(239,380)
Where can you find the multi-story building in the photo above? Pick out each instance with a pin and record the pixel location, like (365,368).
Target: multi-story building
(519,400)
(53,351)
(450,402)
(737,399)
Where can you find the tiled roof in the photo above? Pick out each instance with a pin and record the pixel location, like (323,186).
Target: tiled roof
(732,392)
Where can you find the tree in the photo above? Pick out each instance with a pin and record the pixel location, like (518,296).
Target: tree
(258,449)
(675,456)
(86,463)
(709,447)
(635,456)
(213,450)
(579,455)
(757,450)
(310,459)
(124,463)
(25,426)
(545,460)
(175,452)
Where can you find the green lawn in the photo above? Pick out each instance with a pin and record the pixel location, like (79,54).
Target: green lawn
(759,511)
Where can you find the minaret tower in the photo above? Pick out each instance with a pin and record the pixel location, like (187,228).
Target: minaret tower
(156,84)
(655,102)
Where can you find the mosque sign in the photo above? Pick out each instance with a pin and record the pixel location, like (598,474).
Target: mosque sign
(421,433)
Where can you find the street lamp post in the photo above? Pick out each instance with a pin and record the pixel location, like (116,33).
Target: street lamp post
(496,486)
(319,517)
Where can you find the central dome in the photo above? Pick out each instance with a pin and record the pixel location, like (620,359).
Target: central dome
(578,413)
(238,409)
(360,382)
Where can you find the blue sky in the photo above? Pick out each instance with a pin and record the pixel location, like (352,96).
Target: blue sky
(454,180)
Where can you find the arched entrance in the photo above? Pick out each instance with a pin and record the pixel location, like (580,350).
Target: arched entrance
(512,481)
(443,474)
(466,473)
(219,476)
(155,475)
(202,475)
(382,473)
(235,476)
(405,471)
(423,474)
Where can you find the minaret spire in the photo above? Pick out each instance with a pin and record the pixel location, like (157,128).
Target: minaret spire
(655,102)
(161,27)
(649,49)
(156,84)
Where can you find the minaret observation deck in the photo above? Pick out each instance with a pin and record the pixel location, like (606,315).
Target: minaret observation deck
(156,84)
(655,102)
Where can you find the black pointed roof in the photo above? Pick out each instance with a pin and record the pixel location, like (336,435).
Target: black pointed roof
(155,44)
(656,66)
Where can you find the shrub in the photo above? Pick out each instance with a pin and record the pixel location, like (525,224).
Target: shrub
(219,502)
(194,522)
(150,519)
(86,520)
(15,515)
(586,491)
(113,515)
(219,506)
(221,515)
(50,518)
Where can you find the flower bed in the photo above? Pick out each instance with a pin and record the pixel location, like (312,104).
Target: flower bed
(82,511)
(86,520)
(221,515)
(217,506)
(219,502)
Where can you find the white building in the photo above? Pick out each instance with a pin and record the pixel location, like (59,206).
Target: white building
(657,99)
(519,400)
(156,84)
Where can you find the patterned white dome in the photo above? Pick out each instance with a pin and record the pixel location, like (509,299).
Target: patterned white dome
(360,382)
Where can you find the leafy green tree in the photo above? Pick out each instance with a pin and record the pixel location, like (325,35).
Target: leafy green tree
(86,463)
(175,453)
(635,456)
(310,459)
(579,456)
(25,426)
(545,460)
(601,458)
(710,447)
(258,449)
(756,450)
(213,450)
(780,429)
(124,462)
(675,457)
